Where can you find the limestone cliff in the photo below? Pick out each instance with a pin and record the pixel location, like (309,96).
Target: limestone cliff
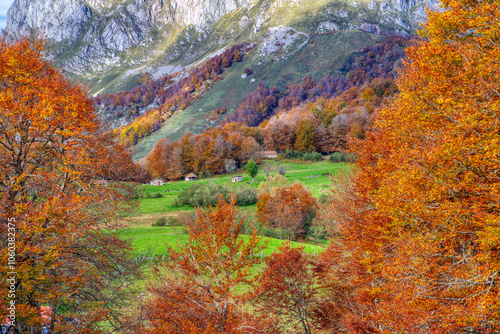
(108,41)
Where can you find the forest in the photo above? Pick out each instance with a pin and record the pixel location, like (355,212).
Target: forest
(413,229)
(309,117)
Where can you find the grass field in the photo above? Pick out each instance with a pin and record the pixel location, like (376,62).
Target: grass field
(156,240)
(316,177)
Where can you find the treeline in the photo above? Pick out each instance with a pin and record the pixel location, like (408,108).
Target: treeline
(224,149)
(376,63)
(167,95)
(216,151)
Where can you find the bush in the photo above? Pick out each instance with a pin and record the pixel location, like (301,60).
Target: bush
(164,221)
(319,233)
(342,157)
(308,156)
(281,170)
(205,195)
(246,196)
(249,225)
(312,156)
(291,207)
(338,157)
(323,198)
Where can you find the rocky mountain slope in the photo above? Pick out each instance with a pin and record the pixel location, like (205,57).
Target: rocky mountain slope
(109,43)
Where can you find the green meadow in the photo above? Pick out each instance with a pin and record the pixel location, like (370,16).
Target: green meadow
(147,241)
(314,176)
(157,201)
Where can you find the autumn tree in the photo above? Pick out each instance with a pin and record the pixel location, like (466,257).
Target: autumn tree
(196,290)
(157,160)
(287,207)
(249,150)
(305,136)
(421,225)
(53,211)
(288,289)
(266,168)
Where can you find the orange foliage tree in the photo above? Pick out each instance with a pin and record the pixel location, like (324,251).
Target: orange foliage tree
(196,293)
(305,136)
(52,249)
(290,207)
(288,288)
(421,226)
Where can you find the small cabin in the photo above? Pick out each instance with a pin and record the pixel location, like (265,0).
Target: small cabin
(237,178)
(191,177)
(269,154)
(157,182)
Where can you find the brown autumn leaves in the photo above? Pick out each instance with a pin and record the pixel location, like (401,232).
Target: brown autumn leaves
(416,248)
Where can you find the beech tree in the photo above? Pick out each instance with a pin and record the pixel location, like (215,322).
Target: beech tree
(53,249)
(290,207)
(421,224)
(305,136)
(288,288)
(196,293)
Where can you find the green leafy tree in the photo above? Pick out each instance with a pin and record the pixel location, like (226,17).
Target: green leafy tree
(252,168)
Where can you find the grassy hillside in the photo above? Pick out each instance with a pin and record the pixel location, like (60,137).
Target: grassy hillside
(315,56)
(146,239)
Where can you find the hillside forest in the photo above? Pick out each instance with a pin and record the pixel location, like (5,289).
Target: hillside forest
(405,234)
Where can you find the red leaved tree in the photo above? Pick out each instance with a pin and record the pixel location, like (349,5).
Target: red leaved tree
(288,289)
(197,287)
(290,207)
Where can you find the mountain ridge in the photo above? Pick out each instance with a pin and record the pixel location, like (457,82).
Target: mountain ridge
(109,43)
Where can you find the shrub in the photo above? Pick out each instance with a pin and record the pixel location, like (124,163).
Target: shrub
(281,170)
(319,232)
(312,156)
(246,196)
(249,225)
(166,221)
(308,156)
(205,195)
(338,157)
(162,221)
(342,157)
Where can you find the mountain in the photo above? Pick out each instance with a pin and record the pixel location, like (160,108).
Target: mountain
(109,43)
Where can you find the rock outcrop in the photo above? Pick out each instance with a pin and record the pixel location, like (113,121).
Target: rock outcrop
(99,36)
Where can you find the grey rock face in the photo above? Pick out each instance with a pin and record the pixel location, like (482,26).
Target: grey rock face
(56,20)
(103,27)
(96,35)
